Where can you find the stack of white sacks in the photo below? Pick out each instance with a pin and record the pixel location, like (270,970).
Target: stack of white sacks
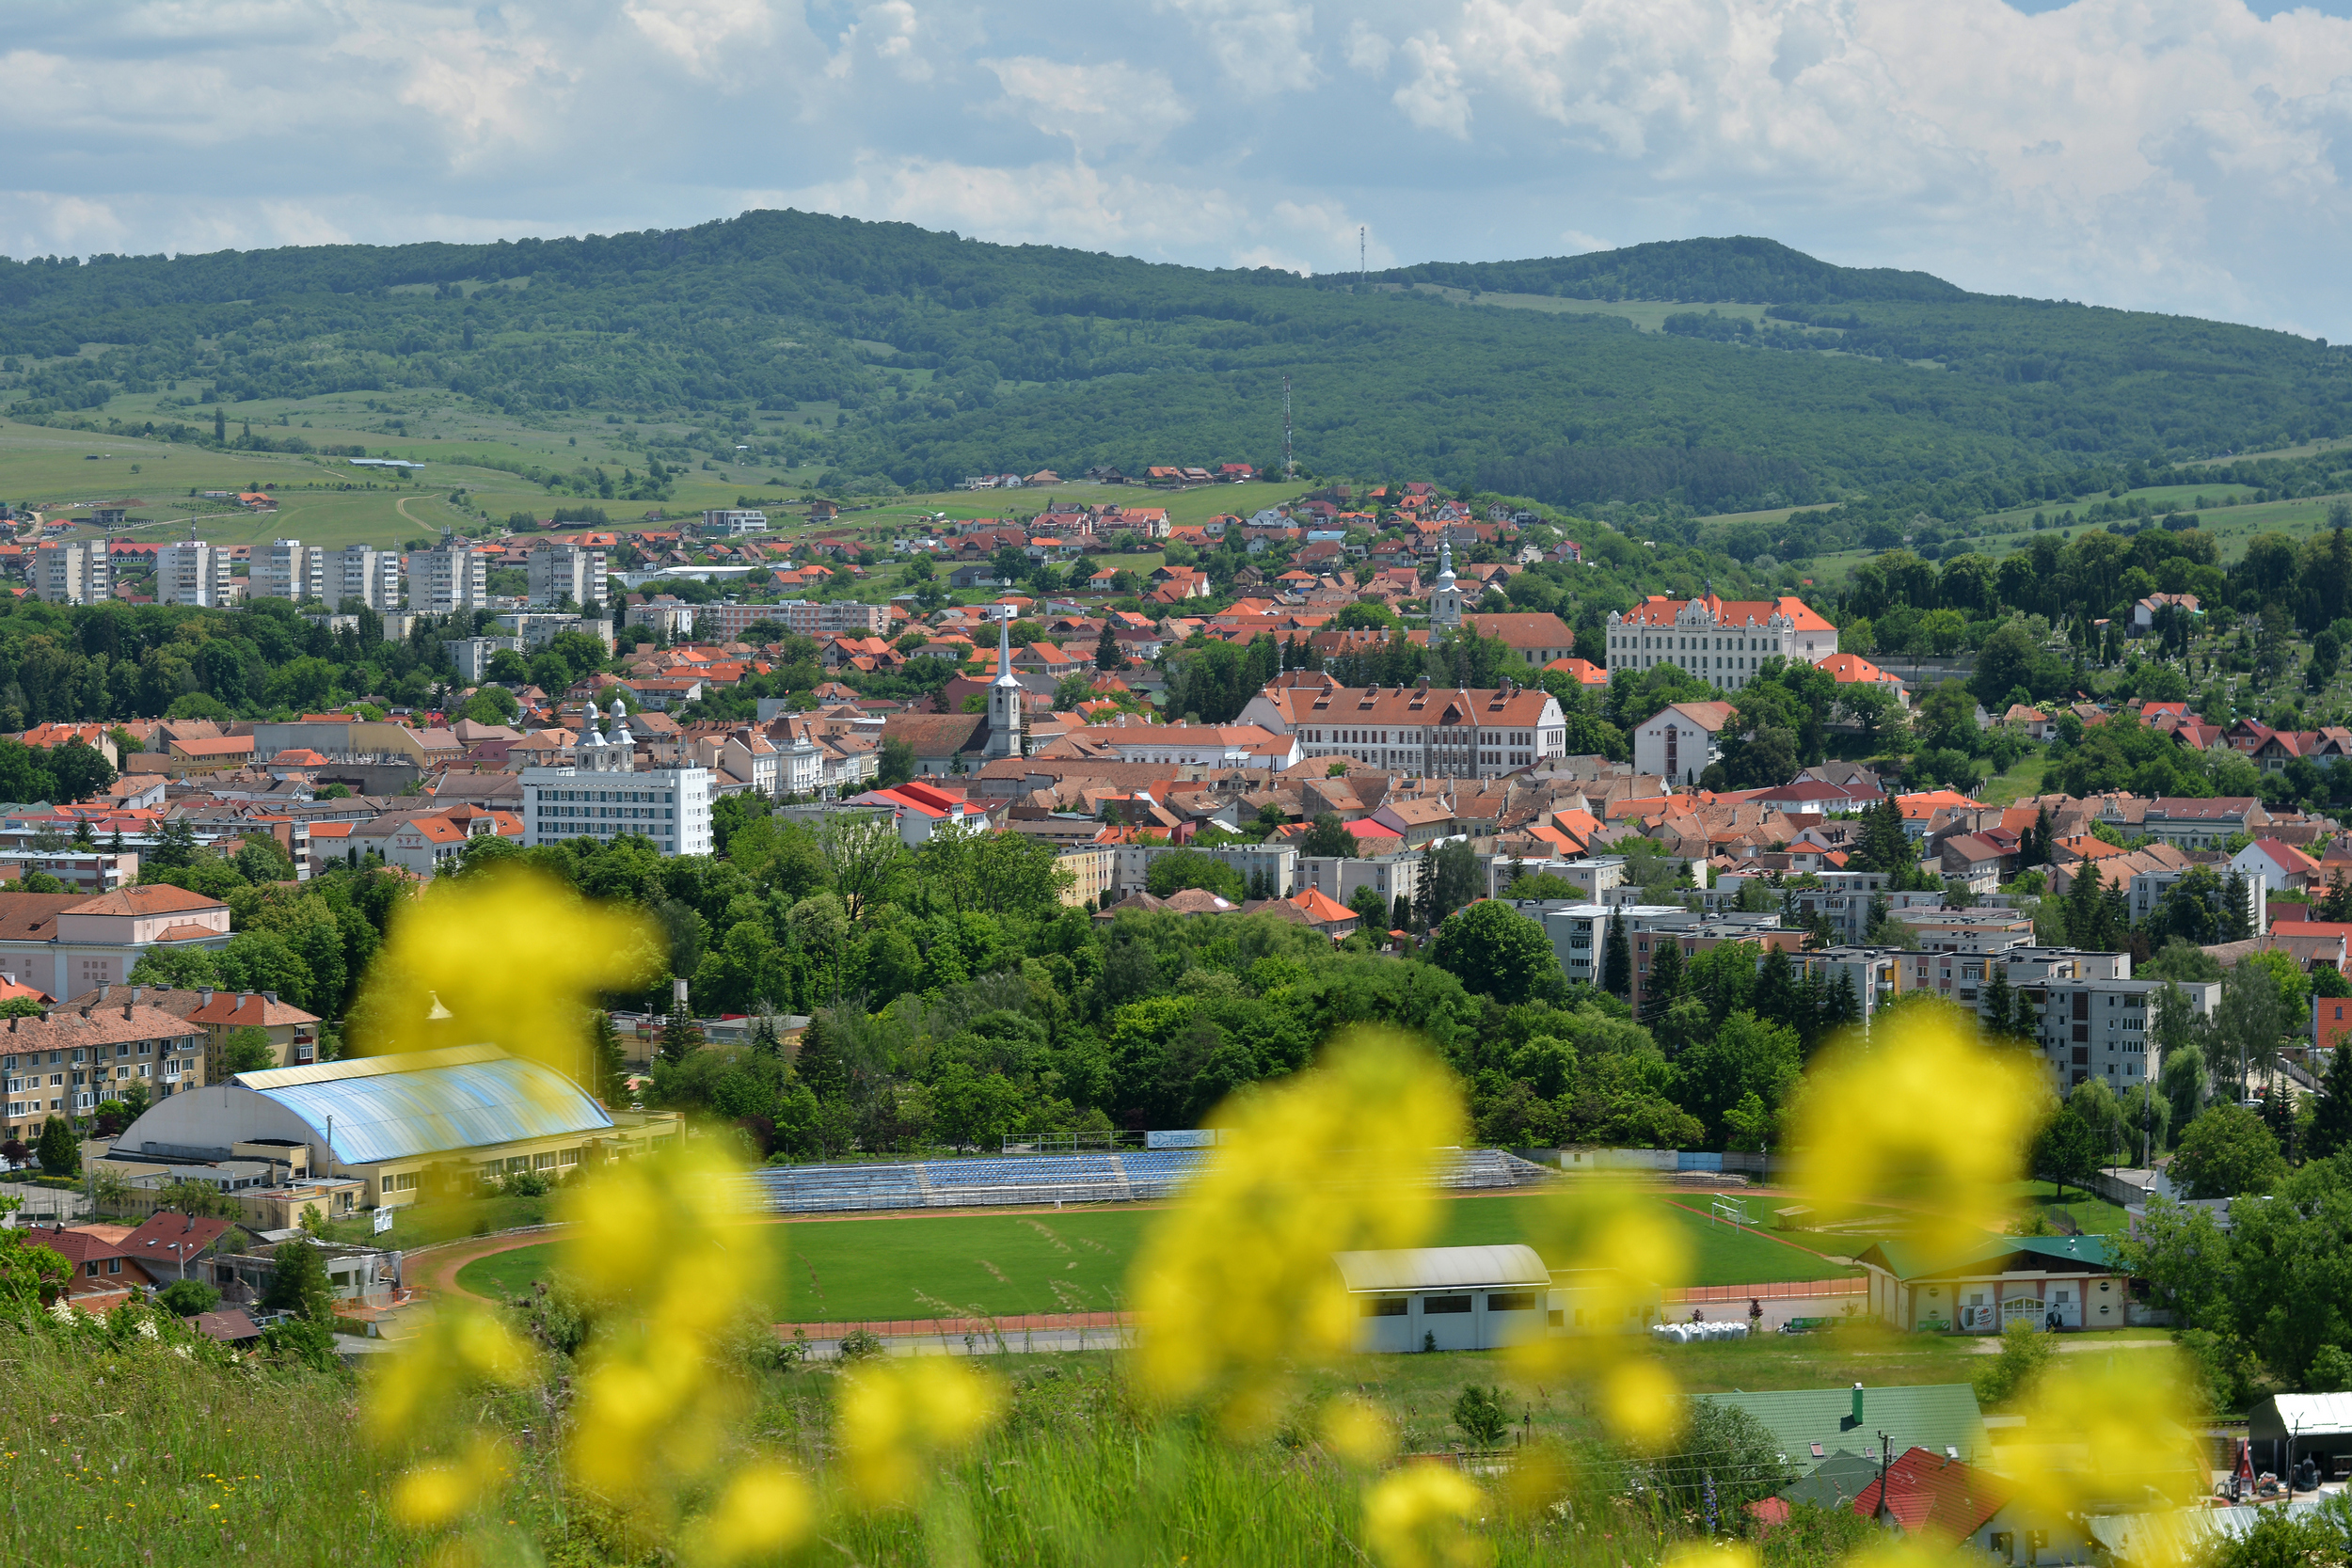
(1684,1333)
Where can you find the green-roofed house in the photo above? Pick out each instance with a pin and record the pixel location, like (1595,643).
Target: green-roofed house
(1815,1425)
(2055,1281)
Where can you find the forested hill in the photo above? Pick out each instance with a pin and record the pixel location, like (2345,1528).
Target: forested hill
(930,356)
(1761,272)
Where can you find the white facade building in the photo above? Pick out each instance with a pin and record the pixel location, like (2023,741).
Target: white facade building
(364,573)
(561,572)
(1679,743)
(1722,640)
(288,569)
(72,572)
(455,576)
(733,522)
(191,571)
(601,794)
(1430,732)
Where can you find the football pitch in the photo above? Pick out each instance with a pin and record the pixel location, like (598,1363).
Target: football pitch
(927,1264)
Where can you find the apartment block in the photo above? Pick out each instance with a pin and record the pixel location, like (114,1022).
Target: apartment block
(364,573)
(832,618)
(192,572)
(732,522)
(445,581)
(558,573)
(72,572)
(288,569)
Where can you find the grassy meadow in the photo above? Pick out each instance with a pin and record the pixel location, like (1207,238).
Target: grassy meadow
(928,1266)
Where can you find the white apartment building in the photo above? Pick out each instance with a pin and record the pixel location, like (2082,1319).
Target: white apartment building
(2103,1025)
(832,618)
(561,572)
(1722,640)
(453,578)
(191,571)
(72,572)
(364,573)
(733,522)
(289,569)
(471,654)
(602,794)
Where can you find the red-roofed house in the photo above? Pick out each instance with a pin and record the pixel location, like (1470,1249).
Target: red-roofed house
(1947,1501)
(1585,672)
(2283,867)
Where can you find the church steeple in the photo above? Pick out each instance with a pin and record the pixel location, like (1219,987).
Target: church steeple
(1004,694)
(1445,598)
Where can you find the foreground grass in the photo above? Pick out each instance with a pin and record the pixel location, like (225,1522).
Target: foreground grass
(926,1265)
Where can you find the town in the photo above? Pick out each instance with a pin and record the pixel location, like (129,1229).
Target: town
(985,857)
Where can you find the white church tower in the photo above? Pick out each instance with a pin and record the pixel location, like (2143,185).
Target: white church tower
(1445,599)
(1003,696)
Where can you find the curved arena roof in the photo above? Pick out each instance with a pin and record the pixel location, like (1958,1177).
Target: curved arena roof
(428,1101)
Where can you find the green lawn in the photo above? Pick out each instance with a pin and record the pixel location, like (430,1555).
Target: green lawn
(926,1265)
(2021,781)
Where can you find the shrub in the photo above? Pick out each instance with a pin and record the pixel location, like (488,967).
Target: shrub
(861,1344)
(185,1298)
(1479,1413)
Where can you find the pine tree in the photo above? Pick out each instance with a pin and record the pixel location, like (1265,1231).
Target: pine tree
(2082,906)
(2028,1026)
(2041,831)
(607,1060)
(60,1153)
(1666,981)
(2332,1118)
(1106,654)
(1401,917)
(1616,957)
(1775,999)
(1812,1003)
(680,1037)
(1997,1005)
(1845,1006)
(2237,908)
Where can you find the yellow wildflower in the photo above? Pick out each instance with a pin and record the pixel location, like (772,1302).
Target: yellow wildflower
(1421,1516)
(897,1416)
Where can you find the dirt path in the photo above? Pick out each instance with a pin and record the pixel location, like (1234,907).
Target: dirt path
(438,1270)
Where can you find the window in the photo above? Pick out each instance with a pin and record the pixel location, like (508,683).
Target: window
(1510,1300)
(1430,1304)
(1384,1307)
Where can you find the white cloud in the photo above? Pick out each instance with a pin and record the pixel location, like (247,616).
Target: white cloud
(1368,50)
(892,33)
(702,34)
(1262,46)
(1097,106)
(1434,99)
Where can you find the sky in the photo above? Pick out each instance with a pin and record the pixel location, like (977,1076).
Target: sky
(2190,157)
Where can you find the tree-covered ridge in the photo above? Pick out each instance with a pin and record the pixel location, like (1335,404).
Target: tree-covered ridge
(943,356)
(1741,268)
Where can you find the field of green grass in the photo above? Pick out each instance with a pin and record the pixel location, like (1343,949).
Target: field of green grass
(924,1265)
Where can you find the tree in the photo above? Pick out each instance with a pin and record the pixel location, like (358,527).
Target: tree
(248,1050)
(2331,1117)
(681,1036)
(1723,1458)
(863,853)
(1370,908)
(2068,1150)
(1189,869)
(1491,947)
(1106,652)
(186,1298)
(1449,880)
(298,1282)
(1616,957)
(608,1062)
(2250,1018)
(897,765)
(59,1151)
(2226,1151)
(1482,1415)
(1329,839)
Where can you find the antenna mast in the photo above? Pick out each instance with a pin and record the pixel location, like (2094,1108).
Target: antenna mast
(1290,468)
(1360,255)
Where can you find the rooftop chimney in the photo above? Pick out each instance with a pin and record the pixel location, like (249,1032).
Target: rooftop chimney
(1857,1405)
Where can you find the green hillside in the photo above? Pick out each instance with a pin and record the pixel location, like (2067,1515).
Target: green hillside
(880,353)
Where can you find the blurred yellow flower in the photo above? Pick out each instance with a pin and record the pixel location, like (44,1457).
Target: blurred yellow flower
(1920,1115)
(1355,1429)
(1237,1281)
(897,1416)
(433,1495)
(1712,1554)
(1423,1516)
(765,1511)
(2099,1429)
(1640,1400)
(459,1347)
(513,958)
(654,1244)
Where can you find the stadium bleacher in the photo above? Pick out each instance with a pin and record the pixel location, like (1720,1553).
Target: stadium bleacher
(984,1181)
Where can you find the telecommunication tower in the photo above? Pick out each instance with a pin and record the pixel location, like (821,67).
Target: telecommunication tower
(1359,256)
(1290,468)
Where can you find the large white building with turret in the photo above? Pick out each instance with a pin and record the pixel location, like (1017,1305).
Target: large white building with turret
(1720,641)
(602,794)
(1003,696)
